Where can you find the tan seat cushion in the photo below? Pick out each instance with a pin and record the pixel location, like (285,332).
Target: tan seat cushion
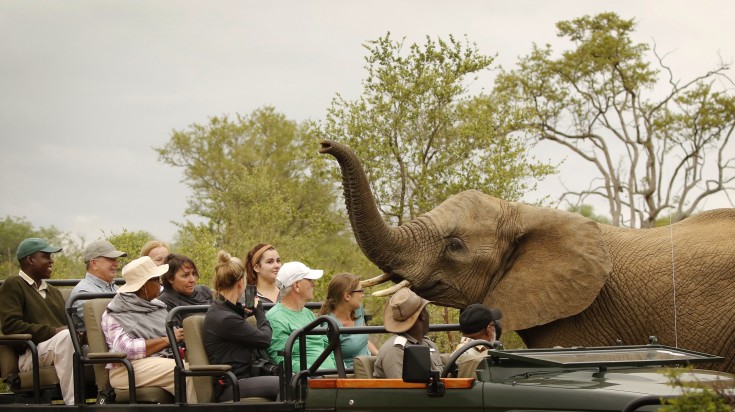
(363,366)
(93,310)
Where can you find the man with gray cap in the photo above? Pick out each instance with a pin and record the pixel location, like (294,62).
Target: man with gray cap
(32,306)
(101,258)
(407,317)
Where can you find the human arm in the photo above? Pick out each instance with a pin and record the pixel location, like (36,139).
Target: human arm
(280,332)
(234,328)
(17,298)
(372,349)
(392,362)
(135,348)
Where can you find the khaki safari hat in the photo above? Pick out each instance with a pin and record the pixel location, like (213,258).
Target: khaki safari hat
(102,248)
(402,310)
(32,245)
(138,272)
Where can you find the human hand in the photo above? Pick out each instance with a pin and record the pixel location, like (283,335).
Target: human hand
(179,333)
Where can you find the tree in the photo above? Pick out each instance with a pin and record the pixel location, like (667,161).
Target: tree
(130,243)
(599,101)
(589,212)
(14,229)
(258,178)
(422,136)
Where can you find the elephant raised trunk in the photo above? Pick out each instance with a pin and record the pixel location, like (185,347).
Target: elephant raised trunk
(379,242)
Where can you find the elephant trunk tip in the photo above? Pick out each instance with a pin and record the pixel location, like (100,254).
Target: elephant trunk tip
(326,145)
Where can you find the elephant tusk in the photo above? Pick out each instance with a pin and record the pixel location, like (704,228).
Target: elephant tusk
(381,278)
(393,289)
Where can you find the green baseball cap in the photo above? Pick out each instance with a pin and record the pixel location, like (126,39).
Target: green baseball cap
(33,245)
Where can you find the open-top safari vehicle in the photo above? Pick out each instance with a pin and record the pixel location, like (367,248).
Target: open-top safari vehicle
(572,379)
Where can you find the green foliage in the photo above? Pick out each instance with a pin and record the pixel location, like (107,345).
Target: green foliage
(648,136)
(258,178)
(422,137)
(130,243)
(696,396)
(200,243)
(589,212)
(14,229)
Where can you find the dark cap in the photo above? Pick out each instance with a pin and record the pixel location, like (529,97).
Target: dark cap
(33,245)
(476,317)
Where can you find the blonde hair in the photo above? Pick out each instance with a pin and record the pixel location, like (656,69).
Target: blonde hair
(228,271)
(341,283)
(150,245)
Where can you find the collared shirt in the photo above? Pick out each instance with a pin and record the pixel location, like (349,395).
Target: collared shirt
(119,341)
(90,284)
(389,363)
(40,289)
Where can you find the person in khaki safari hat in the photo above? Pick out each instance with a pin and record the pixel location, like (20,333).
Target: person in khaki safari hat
(407,317)
(101,258)
(134,323)
(32,306)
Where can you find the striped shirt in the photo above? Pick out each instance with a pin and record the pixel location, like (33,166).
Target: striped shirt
(119,341)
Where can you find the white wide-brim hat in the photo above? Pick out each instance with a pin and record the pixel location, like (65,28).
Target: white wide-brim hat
(138,272)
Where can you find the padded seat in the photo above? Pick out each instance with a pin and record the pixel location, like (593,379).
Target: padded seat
(197,358)
(21,383)
(93,310)
(363,366)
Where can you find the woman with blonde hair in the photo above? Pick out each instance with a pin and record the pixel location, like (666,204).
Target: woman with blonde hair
(344,304)
(262,265)
(156,250)
(230,340)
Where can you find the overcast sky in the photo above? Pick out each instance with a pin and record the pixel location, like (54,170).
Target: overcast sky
(88,88)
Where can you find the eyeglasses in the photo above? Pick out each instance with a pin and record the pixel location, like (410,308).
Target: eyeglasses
(357,291)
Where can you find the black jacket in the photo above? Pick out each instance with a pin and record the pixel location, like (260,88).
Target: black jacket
(230,340)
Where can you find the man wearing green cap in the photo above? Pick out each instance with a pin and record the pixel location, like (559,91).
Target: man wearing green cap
(32,306)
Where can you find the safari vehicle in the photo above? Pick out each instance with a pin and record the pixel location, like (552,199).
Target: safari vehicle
(572,379)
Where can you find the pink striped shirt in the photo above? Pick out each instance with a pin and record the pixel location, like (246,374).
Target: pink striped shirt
(119,341)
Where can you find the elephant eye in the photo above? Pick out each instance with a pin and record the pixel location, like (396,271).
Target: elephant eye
(454,244)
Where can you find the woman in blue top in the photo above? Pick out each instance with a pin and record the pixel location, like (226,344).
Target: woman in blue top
(344,303)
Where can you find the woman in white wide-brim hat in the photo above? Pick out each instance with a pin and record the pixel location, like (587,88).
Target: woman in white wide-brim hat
(134,323)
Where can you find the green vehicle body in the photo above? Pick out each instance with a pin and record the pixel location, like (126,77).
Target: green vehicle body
(610,379)
(563,379)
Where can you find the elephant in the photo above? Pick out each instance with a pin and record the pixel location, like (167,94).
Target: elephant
(559,278)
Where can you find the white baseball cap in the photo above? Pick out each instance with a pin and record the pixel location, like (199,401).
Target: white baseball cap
(293,272)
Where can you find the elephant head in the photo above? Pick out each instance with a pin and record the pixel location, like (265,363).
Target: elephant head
(474,248)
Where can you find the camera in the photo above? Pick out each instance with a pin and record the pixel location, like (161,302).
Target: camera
(265,367)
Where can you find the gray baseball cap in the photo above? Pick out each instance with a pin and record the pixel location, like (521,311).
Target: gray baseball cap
(102,248)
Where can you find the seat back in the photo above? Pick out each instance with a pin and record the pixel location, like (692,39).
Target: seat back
(197,356)
(22,382)
(93,310)
(363,366)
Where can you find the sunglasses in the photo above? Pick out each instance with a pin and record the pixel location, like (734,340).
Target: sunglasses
(357,291)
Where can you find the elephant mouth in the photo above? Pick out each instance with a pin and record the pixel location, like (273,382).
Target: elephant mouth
(436,292)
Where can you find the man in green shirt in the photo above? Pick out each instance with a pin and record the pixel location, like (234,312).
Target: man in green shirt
(32,306)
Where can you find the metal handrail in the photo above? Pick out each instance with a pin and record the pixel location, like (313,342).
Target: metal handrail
(80,359)
(180,371)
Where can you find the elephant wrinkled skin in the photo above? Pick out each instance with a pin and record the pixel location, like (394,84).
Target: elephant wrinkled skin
(559,278)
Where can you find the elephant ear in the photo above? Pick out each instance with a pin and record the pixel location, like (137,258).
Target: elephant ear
(556,269)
